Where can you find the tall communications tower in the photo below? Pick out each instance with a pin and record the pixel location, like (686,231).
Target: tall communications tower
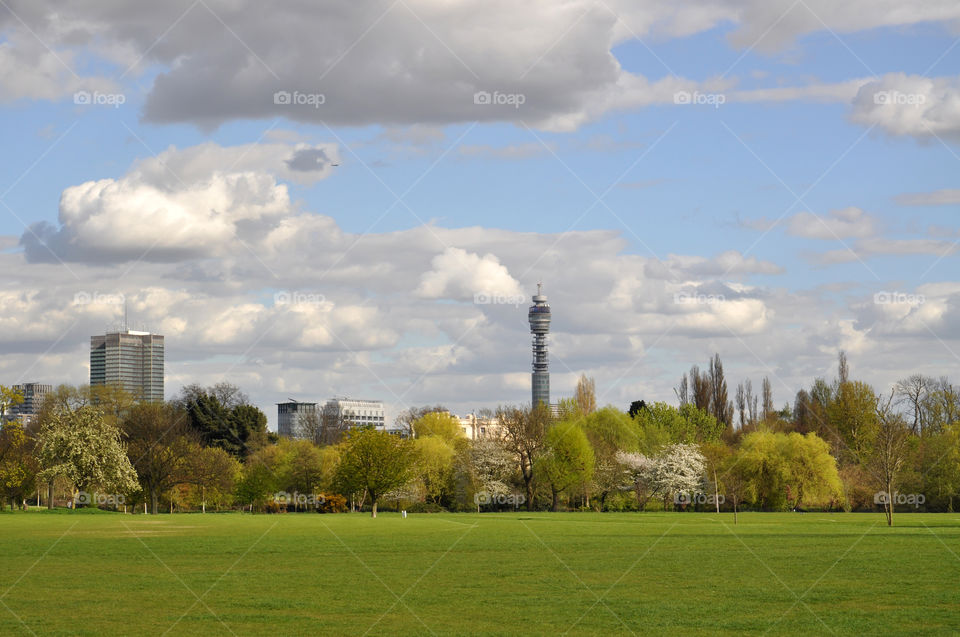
(539,316)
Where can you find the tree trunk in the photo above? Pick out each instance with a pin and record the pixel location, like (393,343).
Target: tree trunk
(373,509)
(529,488)
(154,500)
(50,495)
(556,500)
(716,491)
(890,503)
(734,510)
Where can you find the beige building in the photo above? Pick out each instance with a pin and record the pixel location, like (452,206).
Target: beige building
(475,428)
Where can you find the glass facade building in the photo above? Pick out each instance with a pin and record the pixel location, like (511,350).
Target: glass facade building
(289,415)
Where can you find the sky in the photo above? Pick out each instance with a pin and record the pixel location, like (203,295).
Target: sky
(358,198)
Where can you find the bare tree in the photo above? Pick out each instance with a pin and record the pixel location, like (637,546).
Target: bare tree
(751,402)
(768,409)
(735,482)
(741,403)
(405,419)
(586,395)
(721,407)
(912,392)
(309,426)
(843,370)
(683,390)
(944,403)
(333,426)
(889,453)
(229,395)
(700,387)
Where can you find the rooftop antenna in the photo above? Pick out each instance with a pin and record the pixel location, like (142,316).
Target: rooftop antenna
(125,328)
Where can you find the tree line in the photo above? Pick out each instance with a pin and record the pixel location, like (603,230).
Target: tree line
(840,446)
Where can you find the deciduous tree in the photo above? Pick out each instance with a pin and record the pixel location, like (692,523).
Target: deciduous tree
(79,446)
(489,467)
(567,459)
(18,466)
(679,468)
(888,453)
(9,398)
(720,406)
(159,444)
(586,395)
(434,466)
(609,430)
(523,433)
(405,419)
(912,392)
(214,472)
(375,462)
(436,423)
(768,412)
(302,467)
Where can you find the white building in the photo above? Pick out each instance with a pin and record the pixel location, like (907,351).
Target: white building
(356,413)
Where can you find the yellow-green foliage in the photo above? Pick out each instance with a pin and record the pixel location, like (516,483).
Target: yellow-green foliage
(437,424)
(788,470)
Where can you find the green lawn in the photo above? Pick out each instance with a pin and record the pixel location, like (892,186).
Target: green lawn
(535,574)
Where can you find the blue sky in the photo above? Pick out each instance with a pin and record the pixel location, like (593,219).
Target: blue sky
(738,200)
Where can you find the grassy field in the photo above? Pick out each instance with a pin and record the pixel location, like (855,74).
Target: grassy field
(534,574)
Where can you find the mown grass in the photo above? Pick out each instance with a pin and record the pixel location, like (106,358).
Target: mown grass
(532,574)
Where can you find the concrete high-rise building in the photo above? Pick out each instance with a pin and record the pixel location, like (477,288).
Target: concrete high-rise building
(289,415)
(132,360)
(33,395)
(539,317)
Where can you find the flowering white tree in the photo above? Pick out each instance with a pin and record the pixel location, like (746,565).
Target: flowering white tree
(490,466)
(81,447)
(677,468)
(638,473)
